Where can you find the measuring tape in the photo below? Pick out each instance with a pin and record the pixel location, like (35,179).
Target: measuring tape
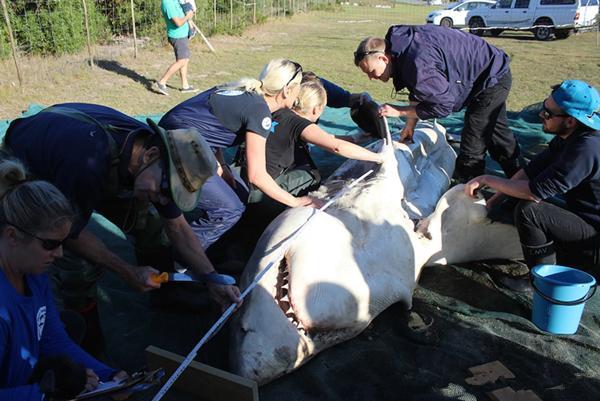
(229,311)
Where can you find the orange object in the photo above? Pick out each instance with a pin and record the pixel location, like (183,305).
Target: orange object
(160,278)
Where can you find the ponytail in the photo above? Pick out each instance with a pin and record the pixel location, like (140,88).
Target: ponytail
(275,76)
(32,206)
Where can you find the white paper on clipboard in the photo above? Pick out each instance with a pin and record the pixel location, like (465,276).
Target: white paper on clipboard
(113,387)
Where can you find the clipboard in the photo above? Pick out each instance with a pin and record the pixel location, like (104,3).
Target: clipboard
(138,381)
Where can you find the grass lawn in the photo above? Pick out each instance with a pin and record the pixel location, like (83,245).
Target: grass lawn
(321,41)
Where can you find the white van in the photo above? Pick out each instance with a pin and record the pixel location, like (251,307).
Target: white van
(542,17)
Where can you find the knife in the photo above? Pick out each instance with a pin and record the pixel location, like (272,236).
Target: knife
(214,277)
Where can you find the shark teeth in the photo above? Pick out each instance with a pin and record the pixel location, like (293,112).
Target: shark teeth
(282,297)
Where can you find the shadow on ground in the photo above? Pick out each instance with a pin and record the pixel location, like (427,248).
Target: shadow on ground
(117,68)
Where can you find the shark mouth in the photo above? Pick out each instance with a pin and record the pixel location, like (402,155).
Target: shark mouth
(282,296)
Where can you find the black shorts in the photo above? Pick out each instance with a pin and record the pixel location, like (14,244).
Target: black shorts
(181,48)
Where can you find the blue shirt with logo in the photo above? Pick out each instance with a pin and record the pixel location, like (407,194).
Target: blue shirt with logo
(221,116)
(30,329)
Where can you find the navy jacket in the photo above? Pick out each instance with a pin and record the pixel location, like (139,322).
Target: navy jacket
(74,154)
(442,68)
(572,167)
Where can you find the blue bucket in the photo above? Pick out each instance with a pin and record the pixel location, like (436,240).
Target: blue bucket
(560,296)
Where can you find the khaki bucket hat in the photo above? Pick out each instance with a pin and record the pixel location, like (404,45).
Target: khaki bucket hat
(191,163)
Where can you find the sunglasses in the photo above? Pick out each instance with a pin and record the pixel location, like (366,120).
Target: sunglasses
(298,70)
(547,114)
(358,56)
(47,244)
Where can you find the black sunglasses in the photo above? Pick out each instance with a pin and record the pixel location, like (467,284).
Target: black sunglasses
(47,244)
(298,70)
(358,56)
(547,114)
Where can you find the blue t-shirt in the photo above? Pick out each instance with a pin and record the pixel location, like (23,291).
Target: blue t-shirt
(570,166)
(74,154)
(30,328)
(170,9)
(221,117)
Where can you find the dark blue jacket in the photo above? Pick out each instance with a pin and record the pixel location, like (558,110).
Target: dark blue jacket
(572,167)
(74,154)
(442,68)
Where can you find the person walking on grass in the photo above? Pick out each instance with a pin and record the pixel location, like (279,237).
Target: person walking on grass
(444,71)
(178,30)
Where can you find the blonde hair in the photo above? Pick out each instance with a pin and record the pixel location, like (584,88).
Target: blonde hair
(312,94)
(275,76)
(368,47)
(32,206)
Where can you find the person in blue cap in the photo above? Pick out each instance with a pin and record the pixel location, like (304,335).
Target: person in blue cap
(570,166)
(446,70)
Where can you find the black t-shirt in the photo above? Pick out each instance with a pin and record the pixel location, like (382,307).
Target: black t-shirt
(282,143)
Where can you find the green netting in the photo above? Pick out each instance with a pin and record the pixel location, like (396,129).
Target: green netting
(473,322)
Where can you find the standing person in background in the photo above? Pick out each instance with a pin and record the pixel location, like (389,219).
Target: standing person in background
(446,70)
(35,221)
(234,114)
(177,33)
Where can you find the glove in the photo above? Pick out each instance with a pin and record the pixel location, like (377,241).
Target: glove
(366,116)
(358,99)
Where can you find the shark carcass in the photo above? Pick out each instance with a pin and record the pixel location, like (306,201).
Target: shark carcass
(333,272)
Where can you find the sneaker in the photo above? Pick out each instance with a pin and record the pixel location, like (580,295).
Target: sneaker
(161,88)
(191,33)
(189,89)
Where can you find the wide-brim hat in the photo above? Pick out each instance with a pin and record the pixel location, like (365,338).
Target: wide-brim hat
(366,116)
(191,162)
(580,100)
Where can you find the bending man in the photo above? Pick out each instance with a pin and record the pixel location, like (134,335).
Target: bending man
(446,70)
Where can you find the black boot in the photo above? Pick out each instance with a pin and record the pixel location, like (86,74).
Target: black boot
(539,254)
(533,255)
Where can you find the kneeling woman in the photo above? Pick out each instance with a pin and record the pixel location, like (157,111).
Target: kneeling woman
(230,115)
(35,219)
(288,159)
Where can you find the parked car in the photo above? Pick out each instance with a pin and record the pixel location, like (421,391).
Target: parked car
(455,13)
(542,17)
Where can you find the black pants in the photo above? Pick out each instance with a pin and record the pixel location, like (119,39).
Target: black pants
(486,129)
(576,242)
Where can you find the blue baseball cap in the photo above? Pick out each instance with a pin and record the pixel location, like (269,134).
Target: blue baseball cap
(580,100)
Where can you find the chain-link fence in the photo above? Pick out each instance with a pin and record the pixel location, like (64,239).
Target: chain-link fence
(55,27)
